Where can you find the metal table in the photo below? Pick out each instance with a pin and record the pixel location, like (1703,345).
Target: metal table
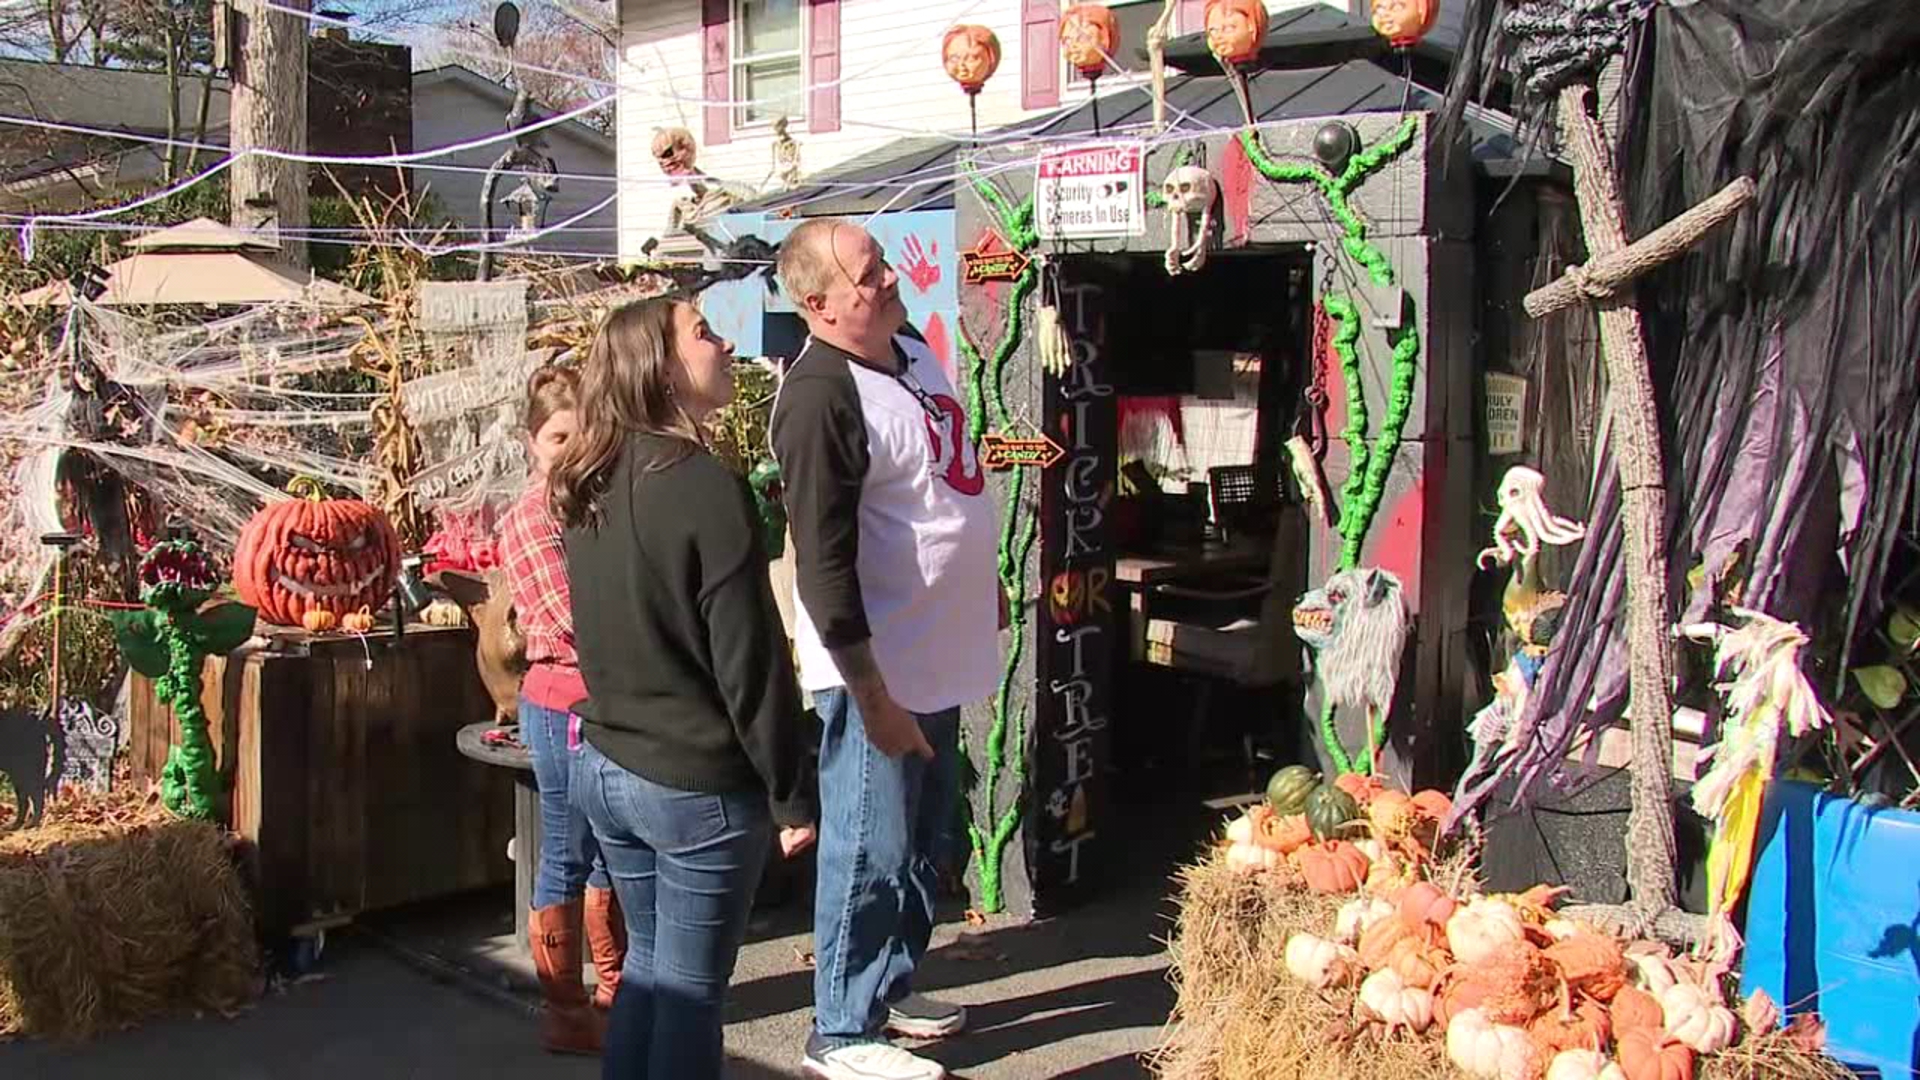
(526,810)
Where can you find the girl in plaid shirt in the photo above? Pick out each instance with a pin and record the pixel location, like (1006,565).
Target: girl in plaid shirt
(571,890)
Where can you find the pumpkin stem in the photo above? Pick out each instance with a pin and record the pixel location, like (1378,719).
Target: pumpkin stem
(307,487)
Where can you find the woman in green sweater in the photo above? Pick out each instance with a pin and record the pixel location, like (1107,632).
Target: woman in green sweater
(696,744)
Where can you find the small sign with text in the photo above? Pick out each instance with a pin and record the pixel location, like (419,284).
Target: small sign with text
(1091,191)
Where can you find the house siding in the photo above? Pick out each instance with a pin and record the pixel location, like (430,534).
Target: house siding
(445,113)
(893,86)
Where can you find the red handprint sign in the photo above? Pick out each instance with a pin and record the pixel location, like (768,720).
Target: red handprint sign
(920,264)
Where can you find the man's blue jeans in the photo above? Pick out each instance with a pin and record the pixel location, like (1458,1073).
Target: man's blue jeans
(685,866)
(569,857)
(882,820)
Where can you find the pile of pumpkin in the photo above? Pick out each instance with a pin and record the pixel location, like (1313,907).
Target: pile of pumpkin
(1514,991)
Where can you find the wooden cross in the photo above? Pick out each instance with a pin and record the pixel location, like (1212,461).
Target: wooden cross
(1605,282)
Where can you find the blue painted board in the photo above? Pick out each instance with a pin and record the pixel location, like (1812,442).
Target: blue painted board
(919,244)
(1833,923)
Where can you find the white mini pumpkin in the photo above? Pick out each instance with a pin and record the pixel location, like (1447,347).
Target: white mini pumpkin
(1583,1065)
(1488,1050)
(1357,915)
(1321,963)
(1385,997)
(1482,928)
(1653,973)
(1696,1017)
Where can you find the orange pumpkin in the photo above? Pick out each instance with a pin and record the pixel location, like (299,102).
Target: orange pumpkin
(318,620)
(1236,29)
(1425,908)
(1417,964)
(1404,22)
(1647,1054)
(1284,834)
(1361,789)
(1332,867)
(1378,941)
(1432,804)
(303,554)
(357,622)
(1512,986)
(1089,33)
(971,54)
(1634,1008)
(1592,963)
(1583,1027)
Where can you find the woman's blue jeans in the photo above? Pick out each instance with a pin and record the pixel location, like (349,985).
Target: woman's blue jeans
(569,857)
(685,866)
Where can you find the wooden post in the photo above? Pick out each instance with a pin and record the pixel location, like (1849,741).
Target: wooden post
(1633,411)
(269,111)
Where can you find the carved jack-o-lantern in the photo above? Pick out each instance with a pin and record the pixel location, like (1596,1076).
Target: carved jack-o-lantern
(1235,29)
(971,55)
(1404,22)
(673,148)
(1066,596)
(1089,34)
(335,555)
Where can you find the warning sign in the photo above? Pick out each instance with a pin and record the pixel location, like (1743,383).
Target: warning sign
(1091,191)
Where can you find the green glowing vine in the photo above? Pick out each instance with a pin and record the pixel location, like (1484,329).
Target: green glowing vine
(1370,465)
(986,388)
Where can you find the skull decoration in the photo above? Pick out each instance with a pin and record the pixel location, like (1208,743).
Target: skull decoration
(673,148)
(1188,189)
(971,55)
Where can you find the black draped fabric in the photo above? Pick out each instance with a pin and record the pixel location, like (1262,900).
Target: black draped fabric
(1786,349)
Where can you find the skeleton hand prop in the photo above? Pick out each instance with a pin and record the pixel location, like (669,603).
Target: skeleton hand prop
(1313,485)
(1189,191)
(1056,352)
(1525,522)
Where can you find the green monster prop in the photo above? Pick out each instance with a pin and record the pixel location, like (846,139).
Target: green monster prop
(166,641)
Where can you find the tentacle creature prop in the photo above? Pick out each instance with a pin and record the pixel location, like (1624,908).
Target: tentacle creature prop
(1532,613)
(1190,193)
(1764,688)
(1356,624)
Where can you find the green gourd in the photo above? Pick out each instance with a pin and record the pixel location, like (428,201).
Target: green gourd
(1328,809)
(1288,790)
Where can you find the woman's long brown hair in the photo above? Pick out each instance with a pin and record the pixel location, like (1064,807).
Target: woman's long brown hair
(626,389)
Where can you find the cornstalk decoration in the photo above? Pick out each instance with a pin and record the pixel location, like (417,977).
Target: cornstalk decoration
(396,445)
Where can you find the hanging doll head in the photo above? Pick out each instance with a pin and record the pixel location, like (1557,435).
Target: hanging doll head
(971,55)
(1236,29)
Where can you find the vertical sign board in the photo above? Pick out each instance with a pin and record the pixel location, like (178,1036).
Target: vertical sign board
(1506,413)
(1077,628)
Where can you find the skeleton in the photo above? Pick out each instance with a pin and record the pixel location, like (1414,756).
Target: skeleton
(1189,192)
(1356,624)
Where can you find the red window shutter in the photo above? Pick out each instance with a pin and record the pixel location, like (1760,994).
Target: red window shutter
(1192,17)
(716,32)
(1039,54)
(823,66)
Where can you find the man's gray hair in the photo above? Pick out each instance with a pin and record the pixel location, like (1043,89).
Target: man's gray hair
(806,265)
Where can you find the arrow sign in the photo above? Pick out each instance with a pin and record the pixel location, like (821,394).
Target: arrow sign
(979,265)
(1003,452)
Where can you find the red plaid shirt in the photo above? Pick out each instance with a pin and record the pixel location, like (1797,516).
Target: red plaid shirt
(536,564)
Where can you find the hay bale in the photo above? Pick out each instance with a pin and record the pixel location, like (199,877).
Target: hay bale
(1238,1015)
(114,912)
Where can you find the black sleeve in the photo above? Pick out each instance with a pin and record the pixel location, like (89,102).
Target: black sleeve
(752,664)
(820,439)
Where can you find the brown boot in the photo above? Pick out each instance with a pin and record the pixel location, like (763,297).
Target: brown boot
(568,1025)
(606,943)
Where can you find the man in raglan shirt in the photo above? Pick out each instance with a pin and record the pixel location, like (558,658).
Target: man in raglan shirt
(896,627)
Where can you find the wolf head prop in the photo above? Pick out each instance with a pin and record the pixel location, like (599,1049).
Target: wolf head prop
(1356,624)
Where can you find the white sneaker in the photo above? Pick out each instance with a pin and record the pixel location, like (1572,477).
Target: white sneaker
(870,1061)
(919,1017)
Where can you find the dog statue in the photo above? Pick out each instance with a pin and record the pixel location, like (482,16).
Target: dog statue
(499,652)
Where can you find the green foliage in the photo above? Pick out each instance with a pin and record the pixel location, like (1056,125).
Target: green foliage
(740,429)
(90,661)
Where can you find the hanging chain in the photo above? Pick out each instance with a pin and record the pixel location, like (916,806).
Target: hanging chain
(1312,423)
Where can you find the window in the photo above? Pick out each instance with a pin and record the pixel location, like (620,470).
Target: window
(768,80)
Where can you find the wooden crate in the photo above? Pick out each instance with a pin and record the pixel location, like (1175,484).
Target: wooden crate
(339,755)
